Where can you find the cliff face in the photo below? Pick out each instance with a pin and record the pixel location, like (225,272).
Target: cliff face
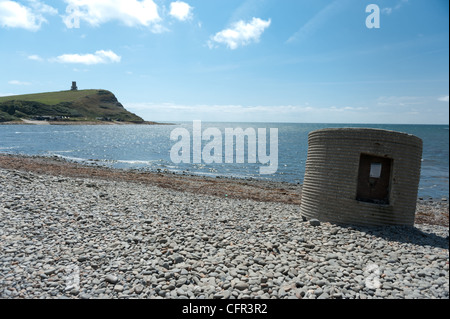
(86,105)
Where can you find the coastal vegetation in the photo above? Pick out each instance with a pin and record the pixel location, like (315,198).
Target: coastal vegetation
(66,106)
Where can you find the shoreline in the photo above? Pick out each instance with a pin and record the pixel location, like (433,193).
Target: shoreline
(30,122)
(258,190)
(429,211)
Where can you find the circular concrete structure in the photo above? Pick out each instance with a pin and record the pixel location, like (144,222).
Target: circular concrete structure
(362,176)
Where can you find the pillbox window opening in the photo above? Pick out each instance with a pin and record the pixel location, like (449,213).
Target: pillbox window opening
(374,179)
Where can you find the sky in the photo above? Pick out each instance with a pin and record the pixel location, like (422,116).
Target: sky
(297,61)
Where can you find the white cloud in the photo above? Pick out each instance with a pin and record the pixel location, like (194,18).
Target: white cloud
(258,113)
(99,57)
(347,109)
(241,33)
(16,15)
(171,111)
(42,7)
(35,57)
(180,10)
(400,100)
(389,10)
(131,13)
(303,113)
(80,70)
(444,99)
(16,82)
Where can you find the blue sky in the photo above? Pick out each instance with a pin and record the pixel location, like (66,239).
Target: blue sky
(228,60)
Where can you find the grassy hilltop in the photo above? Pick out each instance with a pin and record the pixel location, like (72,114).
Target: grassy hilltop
(67,106)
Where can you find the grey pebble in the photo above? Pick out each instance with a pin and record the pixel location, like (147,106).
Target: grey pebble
(112,279)
(241,286)
(138,289)
(126,240)
(118,288)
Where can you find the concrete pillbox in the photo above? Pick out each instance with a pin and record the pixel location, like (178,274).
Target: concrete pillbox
(362,176)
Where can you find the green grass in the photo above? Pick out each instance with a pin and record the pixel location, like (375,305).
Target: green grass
(85,105)
(51,98)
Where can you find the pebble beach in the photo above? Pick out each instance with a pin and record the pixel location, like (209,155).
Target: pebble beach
(80,237)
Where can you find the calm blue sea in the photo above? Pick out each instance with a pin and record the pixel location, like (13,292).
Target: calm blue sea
(148,148)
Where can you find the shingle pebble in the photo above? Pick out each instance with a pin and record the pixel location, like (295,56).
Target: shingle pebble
(83,238)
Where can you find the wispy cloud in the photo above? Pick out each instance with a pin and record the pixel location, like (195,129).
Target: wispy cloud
(221,108)
(16,15)
(317,21)
(444,99)
(389,10)
(400,100)
(181,10)
(303,113)
(35,57)
(16,82)
(240,33)
(99,57)
(259,113)
(42,8)
(248,9)
(347,109)
(80,70)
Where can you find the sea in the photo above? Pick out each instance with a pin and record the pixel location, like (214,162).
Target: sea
(149,148)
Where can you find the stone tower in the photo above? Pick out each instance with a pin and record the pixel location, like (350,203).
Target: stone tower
(74,86)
